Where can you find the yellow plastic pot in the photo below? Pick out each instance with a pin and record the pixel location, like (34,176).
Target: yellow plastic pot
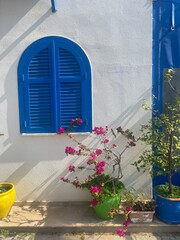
(7,198)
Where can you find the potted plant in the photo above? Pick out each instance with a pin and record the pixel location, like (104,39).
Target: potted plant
(163,133)
(103,164)
(136,208)
(107,197)
(7,197)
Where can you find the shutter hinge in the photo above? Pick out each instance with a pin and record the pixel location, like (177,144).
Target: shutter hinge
(25,124)
(22,78)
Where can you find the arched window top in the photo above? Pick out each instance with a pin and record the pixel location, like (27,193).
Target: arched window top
(54,79)
(41,49)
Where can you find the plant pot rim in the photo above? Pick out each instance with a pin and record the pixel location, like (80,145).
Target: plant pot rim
(151,211)
(7,184)
(168,198)
(124,202)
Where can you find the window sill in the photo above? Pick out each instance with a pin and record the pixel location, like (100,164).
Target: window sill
(52,134)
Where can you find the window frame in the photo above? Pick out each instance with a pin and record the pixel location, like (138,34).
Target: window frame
(55,43)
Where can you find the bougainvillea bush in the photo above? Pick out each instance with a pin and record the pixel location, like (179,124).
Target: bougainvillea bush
(103,163)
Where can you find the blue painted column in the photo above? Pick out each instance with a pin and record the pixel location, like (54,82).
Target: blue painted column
(166,53)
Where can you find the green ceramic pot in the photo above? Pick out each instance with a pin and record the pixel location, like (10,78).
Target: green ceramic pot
(102,209)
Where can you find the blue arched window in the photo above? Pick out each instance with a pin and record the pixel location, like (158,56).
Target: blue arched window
(54,84)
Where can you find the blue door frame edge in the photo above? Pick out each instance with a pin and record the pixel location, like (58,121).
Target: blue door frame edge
(159,63)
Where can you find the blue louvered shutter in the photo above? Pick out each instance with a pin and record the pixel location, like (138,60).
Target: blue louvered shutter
(38,89)
(70,85)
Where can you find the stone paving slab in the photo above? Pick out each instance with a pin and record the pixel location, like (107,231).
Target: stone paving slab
(71,218)
(83,236)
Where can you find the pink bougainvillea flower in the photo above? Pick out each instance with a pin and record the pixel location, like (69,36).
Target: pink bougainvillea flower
(77,120)
(99,170)
(93,189)
(128,209)
(71,168)
(120,232)
(114,145)
(94,202)
(98,152)
(126,224)
(101,164)
(131,143)
(96,189)
(100,130)
(93,156)
(106,140)
(61,130)
(61,178)
(70,150)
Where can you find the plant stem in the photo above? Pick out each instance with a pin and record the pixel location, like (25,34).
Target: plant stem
(170,162)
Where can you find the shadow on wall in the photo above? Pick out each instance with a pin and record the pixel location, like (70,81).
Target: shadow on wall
(11,12)
(133,118)
(34,155)
(148,4)
(16,154)
(54,189)
(38,161)
(25,34)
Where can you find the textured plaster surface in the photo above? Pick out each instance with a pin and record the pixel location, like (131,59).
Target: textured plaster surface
(116,36)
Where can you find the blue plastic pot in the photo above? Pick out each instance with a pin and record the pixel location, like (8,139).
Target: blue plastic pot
(168,209)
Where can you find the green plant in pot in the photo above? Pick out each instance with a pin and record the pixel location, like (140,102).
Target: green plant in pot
(7,197)
(136,208)
(102,165)
(163,133)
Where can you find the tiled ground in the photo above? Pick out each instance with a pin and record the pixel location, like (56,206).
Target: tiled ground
(49,222)
(83,236)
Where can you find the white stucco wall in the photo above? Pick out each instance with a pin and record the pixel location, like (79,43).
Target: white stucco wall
(117,37)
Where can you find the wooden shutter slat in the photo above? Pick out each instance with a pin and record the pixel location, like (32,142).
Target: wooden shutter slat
(40,65)
(70,102)
(40,105)
(68,64)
